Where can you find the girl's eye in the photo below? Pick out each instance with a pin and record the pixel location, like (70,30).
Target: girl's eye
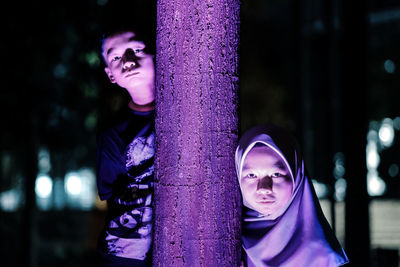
(277,175)
(137,50)
(116,58)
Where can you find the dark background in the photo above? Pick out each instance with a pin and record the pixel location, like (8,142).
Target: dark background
(322,69)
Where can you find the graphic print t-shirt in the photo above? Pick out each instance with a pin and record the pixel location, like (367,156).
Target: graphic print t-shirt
(125,166)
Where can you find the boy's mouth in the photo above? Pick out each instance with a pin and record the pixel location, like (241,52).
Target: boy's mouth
(131,74)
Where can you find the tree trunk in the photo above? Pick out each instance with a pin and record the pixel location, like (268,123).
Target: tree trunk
(197,198)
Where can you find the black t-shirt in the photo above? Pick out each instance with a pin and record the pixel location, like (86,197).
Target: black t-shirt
(125,175)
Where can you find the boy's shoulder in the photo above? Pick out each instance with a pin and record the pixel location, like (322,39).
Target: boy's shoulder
(126,123)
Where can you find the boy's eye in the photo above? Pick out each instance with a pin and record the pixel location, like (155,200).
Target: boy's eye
(137,50)
(116,58)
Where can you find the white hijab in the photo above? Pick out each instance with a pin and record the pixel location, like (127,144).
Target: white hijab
(298,234)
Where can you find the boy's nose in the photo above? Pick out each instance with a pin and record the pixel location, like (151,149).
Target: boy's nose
(264,185)
(129,65)
(129,59)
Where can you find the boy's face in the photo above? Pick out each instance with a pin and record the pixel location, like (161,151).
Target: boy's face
(266,182)
(127,63)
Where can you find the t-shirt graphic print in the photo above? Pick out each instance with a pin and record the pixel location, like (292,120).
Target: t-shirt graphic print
(128,234)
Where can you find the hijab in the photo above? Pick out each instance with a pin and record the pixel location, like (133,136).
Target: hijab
(298,234)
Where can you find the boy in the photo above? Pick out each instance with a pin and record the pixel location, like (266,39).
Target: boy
(125,156)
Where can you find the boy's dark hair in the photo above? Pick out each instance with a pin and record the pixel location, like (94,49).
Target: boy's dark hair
(138,16)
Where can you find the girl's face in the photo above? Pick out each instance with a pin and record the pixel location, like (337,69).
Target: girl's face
(266,182)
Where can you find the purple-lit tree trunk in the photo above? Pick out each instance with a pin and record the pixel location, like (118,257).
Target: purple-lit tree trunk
(197,199)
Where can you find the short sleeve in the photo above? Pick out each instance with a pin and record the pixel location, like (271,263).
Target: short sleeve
(109,163)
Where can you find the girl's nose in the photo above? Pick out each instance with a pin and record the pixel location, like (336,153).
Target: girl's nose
(264,186)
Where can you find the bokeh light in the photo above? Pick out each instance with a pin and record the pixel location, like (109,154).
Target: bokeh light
(386,132)
(10,200)
(340,189)
(73,183)
(44,163)
(44,186)
(376,186)
(373,158)
(320,189)
(389,66)
(393,170)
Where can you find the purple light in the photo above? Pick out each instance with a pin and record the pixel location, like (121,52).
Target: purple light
(197,201)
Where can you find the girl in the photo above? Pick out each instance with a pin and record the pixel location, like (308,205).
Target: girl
(283,224)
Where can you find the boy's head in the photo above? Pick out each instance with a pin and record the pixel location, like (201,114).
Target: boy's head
(129,62)
(144,34)
(266,181)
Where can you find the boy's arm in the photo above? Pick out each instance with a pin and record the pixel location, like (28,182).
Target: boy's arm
(109,165)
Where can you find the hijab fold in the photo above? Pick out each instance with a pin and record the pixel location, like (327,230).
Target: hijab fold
(298,234)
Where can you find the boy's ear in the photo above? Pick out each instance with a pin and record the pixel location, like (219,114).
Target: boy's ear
(109,74)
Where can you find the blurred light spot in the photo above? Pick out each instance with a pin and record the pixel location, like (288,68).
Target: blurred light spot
(393,170)
(373,158)
(396,123)
(88,196)
(59,194)
(372,135)
(339,158)
(88,90)
(80,187)
(384,16)
(320,189)
(386,132)
(376,186)
(10,200)
(6,163)
(44,186)
(44,164)
(340,189)
(60,71)
(102,2)
(91,121)
(339,169)
(389,66)
(73,183)
(92,59)
(319,26)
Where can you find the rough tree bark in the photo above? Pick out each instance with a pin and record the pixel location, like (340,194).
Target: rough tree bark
(197,199)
